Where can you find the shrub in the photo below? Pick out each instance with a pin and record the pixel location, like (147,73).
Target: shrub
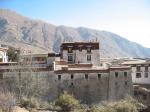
(29,102)
(126,105)
(7,100)
(67,102)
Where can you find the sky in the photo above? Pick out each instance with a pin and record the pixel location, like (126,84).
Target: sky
(127,18)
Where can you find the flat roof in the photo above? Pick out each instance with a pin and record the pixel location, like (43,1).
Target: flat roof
(77,45)
(64,67)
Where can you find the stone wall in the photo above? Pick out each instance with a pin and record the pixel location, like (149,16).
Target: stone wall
(94,89)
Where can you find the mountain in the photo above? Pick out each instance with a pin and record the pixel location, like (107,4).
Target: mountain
(39,37)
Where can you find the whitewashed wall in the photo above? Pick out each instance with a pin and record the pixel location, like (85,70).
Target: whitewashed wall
(142,80)
(81,56)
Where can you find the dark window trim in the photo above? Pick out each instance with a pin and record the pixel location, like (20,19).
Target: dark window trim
(70,51)
(99,76)
(138,75)
(59,77)
(125,74)
(126,83)
(116,74)
(88,57)
(89,50)
(72,76)
(70,59)
(86,76)
(146,75)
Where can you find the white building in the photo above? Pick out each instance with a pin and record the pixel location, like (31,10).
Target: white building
(140,71)
(3,55)
(81,52)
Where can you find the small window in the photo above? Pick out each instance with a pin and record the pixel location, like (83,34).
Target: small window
(86,76)
(70,58)
(88,57)
(138,75)
(72,76)
(125,74)
(80,49)
(146,75)
(116,74)
(1,76)
(146,68)
(70,50)
(72,84)
(126,83)
(59,77)
(99,76)
(116,83)
(138,68)
(89,50)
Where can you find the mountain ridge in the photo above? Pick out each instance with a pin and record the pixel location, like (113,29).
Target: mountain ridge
(39,36)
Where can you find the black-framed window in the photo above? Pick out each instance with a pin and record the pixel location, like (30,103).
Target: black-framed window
(116,74)
(126,83)
(86,76)
(59,77)
(70,58)
(138,75)
(1,76)
(146,68)
(80,49)
(88,49)
(72,84)
(72,76)
(99,76)
(146,75)
(125,74)
(70,50)
(138,68)
(88,57)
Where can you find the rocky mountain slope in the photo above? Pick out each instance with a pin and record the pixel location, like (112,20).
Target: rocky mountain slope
(40,37)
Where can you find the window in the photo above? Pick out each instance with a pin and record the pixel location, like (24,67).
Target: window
(80,49)
(72,76)
(1,76)
(138,75)
(59,77)
(125,74)
(72,84)
(70,58)
(116,83)
(146,68)
(88,57)
(126,83)
(138,68)
(116,74)
(89,50)
(146,75)
(86,76)
(70,50)
(99,76)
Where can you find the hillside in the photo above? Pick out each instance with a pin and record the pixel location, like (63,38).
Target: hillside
(40,37)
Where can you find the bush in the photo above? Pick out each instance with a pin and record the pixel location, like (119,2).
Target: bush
(126,105)
(29,102)
(7,100)
(67,102)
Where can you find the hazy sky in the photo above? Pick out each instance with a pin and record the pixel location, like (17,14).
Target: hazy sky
(127,18)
